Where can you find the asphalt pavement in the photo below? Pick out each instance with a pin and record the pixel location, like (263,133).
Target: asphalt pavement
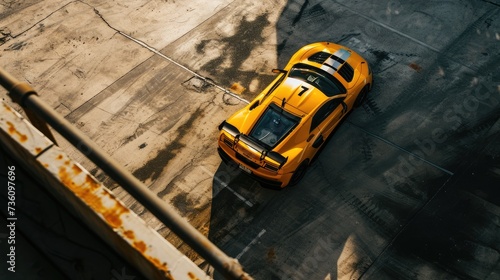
(406,187)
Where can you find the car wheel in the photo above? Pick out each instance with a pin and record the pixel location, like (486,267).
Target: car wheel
(362,96)
(299,173)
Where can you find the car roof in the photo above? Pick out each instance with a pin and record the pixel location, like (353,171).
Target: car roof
(330,59)
(340,61)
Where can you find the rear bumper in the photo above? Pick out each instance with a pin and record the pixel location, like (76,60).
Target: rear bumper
(275,182)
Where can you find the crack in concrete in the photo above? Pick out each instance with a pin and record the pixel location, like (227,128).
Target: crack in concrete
(38,22)
(5,35)
(492,3)
(155,51)
(415,40)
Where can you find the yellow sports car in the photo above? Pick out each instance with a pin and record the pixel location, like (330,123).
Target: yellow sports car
(276,135)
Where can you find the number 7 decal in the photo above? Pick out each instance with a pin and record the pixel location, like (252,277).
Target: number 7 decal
(304,89)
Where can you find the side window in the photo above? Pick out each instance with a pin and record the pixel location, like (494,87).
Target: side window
(327,87)
(324,112)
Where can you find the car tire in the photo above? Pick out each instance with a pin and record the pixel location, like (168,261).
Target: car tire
(362,96)
(299,173)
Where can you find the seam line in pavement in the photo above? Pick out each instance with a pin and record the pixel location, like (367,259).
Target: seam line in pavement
(390,28)
(415,40)
(492,3)
(39,21)
(155,51)
(401,148)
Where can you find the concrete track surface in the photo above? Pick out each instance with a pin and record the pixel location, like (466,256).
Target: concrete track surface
(406,188)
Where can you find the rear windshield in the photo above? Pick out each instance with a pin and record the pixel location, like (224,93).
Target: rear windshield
(273,126)
(318,78)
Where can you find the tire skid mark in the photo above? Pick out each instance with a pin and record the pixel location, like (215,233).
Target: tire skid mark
(370,106)
(369,209)
(367,148)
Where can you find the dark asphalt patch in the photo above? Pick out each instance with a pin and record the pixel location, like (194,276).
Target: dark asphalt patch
(404,208)
(459,229)
(153,168)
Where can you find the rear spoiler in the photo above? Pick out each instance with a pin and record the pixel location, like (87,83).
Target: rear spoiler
(238,136)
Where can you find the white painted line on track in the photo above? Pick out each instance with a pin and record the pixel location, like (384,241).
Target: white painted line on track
(250,244)
(225,186)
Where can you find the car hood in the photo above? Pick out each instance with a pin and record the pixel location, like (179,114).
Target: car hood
(301,96)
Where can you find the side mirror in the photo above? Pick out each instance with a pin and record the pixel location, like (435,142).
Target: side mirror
(277,71)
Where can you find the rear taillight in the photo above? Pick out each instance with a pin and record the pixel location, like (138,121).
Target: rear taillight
(271,167)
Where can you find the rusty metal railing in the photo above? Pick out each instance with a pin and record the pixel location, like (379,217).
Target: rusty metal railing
(40,114)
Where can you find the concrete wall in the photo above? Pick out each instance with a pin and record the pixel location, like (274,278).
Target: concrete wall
(43,171)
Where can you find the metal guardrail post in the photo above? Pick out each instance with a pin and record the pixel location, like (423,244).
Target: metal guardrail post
(29,100)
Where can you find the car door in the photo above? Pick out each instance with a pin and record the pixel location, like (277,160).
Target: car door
(325,119)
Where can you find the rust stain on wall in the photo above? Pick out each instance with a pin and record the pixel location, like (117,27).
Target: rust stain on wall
(161,266)
(13,131)
(129,234)
(89,181)
(86,192)
(77,170)
(140,245)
